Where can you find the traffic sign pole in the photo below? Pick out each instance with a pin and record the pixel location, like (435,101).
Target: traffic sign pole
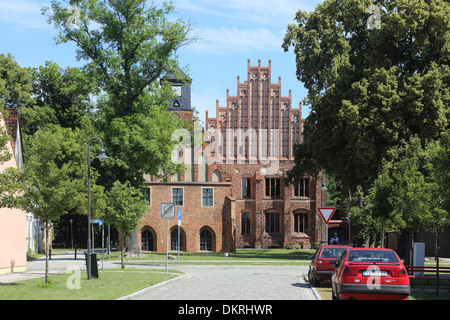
(167,246)
(167,211)
(179,226)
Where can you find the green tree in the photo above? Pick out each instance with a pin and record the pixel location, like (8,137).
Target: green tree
(62,97)
(369,88)
(53,179)
(125,208)
(411,192)
(437,165)
(127,51)
(15,83)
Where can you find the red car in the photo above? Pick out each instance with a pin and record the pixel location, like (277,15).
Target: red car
(370,274)
(324,262)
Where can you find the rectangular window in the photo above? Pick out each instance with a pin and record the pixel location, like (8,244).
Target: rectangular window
(272,222)
(302,188)
(207,197)
(177,196)
(147,194)
(246,188)
(273,189)
(300,222)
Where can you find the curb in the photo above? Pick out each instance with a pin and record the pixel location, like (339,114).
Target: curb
(133,295)
(316,294)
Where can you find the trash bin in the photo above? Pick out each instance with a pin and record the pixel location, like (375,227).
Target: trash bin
(94,267)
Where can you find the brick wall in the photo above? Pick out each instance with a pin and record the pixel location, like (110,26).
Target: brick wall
(195,217)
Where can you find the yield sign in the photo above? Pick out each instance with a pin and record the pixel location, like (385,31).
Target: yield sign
(326,213)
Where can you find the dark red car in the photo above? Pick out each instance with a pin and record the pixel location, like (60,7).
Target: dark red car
(324,262)
(370,274)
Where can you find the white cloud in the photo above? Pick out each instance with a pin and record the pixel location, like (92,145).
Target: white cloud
(240,26)
(23,14)
(224,41)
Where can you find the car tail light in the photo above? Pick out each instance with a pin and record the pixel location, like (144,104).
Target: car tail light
(347,270)
(403,272)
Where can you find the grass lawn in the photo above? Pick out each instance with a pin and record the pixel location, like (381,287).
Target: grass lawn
(111,284)
(241,256)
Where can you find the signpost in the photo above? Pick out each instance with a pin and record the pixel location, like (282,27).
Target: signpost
(167,211)
(326,214)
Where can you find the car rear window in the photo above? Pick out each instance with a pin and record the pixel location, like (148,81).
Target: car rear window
(334,253)
(372,255)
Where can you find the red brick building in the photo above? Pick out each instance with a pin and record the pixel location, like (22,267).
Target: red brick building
(232,193)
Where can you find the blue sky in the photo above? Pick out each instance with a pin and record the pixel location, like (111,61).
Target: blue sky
(230,32)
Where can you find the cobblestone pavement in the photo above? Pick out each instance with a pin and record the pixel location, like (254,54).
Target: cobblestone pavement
(233,283)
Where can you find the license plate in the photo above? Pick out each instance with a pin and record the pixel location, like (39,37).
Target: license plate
(375,273)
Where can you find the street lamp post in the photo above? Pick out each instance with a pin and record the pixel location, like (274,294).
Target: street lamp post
(102,157)
(71,232)
(323,188)
(349,214)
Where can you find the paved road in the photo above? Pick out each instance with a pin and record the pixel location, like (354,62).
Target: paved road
(199,282)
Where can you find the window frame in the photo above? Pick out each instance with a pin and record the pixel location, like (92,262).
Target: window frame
(301,189)
(246,223)
(246,187)
(272,223)
(301,222)
(273,187)
(176,200)
(211,197)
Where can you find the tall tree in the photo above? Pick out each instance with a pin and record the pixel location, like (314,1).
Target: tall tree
(125,209)
(127,50)
(53,179)
(369,87)
(15,83)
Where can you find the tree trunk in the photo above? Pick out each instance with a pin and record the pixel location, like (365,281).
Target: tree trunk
(46,251)
(132,244)
(122,254)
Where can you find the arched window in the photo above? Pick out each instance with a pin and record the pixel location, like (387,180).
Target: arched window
(205,240)
(301,222)
(174,240)
(216,176)
(245,223)
(147,241)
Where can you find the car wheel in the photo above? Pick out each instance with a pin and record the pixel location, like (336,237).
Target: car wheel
(315,282)
(333,295)
(310,280)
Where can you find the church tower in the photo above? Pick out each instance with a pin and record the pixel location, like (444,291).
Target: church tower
(181,86)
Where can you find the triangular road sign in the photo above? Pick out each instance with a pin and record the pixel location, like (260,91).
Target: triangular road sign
(326,213)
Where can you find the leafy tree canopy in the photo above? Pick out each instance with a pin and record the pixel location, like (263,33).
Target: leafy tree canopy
(369,88)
